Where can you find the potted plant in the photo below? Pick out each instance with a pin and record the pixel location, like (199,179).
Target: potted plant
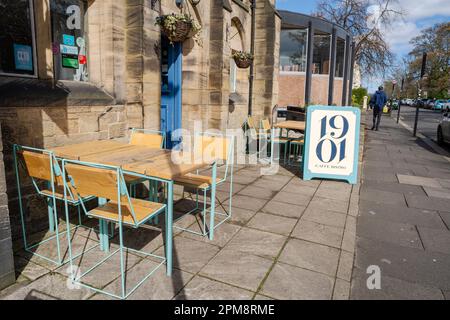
(243,59)
(179,27)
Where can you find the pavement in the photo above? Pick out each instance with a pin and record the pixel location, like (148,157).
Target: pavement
(427,124)
(404,218)
(287,239)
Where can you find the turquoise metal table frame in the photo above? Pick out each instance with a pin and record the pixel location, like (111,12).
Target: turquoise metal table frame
(51,205)
(122,191)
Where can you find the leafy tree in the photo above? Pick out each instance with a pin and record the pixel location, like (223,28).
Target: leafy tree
(358,95)
(366,20)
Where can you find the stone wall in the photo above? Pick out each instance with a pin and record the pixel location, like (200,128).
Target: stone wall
(124,88)
(7,276)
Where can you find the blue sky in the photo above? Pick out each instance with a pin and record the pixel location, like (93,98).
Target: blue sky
(419,14)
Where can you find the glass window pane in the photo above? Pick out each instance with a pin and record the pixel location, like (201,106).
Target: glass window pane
(321,54)
(293,50)
(16,38)
(340,57)
(70,39)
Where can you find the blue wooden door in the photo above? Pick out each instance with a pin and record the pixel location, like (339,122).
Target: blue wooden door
(171,73)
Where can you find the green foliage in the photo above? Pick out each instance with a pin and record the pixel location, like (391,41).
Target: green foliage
(358,95)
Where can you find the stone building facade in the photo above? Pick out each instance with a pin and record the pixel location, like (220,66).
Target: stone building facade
(118,77)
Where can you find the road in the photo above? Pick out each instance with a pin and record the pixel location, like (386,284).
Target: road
(428,121)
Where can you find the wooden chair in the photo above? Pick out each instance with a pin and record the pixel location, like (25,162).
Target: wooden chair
(108,182)
(277,139)
(148,138)
(41,166)
(217,147)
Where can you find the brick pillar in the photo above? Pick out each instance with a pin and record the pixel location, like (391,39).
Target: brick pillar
(7,276)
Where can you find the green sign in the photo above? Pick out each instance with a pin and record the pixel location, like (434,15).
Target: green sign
(70,61)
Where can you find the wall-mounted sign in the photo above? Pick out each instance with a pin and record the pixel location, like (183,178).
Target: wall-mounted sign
(68,49)
(68,40)
(70,61)
(80,42)
(332,143)
(23,57)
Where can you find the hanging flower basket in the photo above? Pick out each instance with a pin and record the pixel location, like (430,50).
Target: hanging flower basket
(179,27)
(243,59)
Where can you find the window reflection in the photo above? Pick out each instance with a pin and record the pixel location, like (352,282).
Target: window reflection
(321,54)
(293,50)
(340,57)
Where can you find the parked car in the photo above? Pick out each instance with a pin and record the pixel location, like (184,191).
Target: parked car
(443,130)
(439,105)
(447,106)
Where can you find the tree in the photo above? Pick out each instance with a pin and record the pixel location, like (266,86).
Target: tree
(435,41)
(358,95)
(366,20)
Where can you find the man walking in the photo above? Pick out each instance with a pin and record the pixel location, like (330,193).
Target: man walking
(380,100)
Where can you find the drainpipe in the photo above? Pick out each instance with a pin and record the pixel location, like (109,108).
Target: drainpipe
(252,51)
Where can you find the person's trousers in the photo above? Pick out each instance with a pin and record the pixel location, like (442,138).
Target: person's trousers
(376,117)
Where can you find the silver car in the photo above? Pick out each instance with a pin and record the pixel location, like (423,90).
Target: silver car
(443,131)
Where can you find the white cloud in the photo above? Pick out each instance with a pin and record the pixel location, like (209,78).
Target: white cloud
(420,9)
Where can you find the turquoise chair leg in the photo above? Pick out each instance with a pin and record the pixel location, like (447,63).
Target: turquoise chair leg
(213,202)
(169,222)
(51,221)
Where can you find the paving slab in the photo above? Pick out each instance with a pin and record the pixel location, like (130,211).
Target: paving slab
(241,216)
(401,214)
(438,193)
(237,268)
(52,286)
(288,282)
(418,181)
(284,209)
(392,289)
(326,217)
(292,198)
(201,288)
(437,240)
(190,255)
(260,243)
(222,234)
(409,264)
(257,192)
(27,269)
(341,290)
(383,197)
(157,287)
(318,233)
(249,203)
(272,223)
(428,203)
(311,256)
(393,232)
(320,203)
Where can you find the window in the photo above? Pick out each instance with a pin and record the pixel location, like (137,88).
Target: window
(293,50)
(321,54)
(69,39)
(340,57)
(233,75)
(17,42)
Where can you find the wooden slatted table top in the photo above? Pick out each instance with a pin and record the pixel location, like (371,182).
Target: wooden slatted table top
(292,125)
(139,159)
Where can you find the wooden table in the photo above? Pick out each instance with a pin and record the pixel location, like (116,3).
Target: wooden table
(147,162)
(292,125)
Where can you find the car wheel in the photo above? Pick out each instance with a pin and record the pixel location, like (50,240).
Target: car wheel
(440,136)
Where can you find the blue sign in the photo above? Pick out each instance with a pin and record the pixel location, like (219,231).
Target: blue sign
(332,143)
(68,40)
(23,57)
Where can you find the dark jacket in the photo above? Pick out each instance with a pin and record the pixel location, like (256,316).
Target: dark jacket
(380,99)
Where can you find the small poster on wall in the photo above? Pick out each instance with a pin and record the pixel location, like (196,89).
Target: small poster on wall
(23,57)
(332,143)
